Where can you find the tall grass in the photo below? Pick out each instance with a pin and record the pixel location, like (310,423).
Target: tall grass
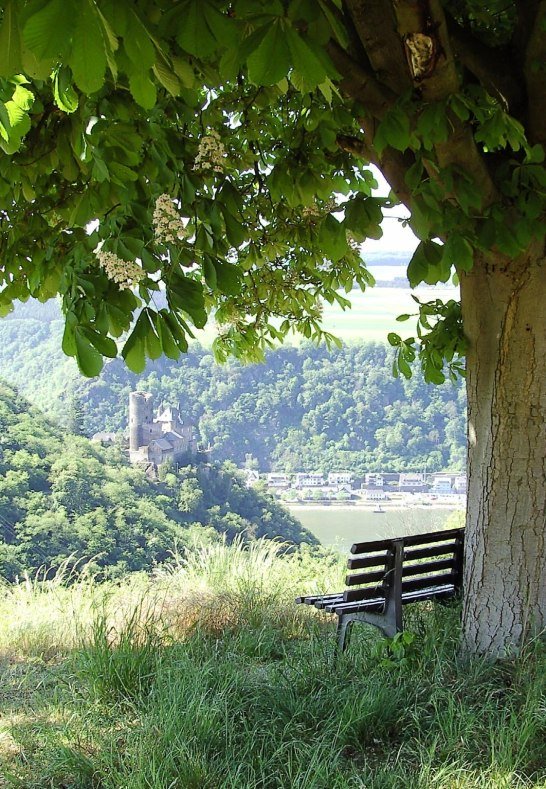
(209,676)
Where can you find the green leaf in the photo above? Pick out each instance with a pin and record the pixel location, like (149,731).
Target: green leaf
(134,349)
(104,345)
(143,90)
(333,239)
(166,76)
(458,252)
(229,278)
(209,272)
(174,323)
(10,42)
(235,231)
(89,360)
(363,216)
(138,44)
(47,33)
(194,34)
(65,95)
(152,341)
(187,294)
(168,344)
(394,130)
(304,60)
(88,56)
(270,61)
(428,265)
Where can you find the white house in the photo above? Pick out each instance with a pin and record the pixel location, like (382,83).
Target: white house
(278,480)
(459,485)
(375,480)
(411,482)
(442,485)
(309,480)
(251,476)
(376,495)
(340,478)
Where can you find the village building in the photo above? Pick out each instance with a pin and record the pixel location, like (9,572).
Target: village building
(157,439)
(340,478)
(411,483)
(104,438)
(459,486)
(442,485)
(374,494)
(251,476)
(277,480)
(374,480)
(309,480)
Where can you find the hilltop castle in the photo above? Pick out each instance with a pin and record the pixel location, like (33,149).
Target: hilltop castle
(160,439)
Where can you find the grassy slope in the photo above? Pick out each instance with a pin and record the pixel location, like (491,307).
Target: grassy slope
(211,677)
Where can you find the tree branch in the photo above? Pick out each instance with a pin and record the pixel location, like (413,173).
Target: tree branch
(491,67)
(375,24)
(393,164)
(422,26)
(360,84)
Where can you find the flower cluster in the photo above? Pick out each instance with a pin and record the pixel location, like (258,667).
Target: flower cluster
(124,273)
(211,153)
(315,211)
(168,224)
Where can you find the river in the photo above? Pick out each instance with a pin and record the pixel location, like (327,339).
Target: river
(341,526)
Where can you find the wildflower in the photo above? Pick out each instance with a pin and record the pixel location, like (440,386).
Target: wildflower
(168,224)
(211,153)
(125,273)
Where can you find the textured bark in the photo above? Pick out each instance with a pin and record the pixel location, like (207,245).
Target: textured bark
(504,316)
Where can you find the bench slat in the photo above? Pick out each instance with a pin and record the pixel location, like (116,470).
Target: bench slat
(444,579)
(438,536)
(367,593)
(365,578)
(362,562)
(376,605)
(412,539)
(310,599)
(375,545)
(427,553)
(428,567)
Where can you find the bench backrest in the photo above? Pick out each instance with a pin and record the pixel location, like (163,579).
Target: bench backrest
(417,562)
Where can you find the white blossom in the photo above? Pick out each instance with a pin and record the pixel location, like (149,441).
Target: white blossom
(125,273)
(168,224)
(211,154)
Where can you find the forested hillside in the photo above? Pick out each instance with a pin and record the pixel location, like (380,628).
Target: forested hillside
(61,495)
(305,408)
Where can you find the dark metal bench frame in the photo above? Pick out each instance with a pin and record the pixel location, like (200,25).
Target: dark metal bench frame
(384,588)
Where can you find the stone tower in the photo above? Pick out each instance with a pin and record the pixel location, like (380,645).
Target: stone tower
(140,415)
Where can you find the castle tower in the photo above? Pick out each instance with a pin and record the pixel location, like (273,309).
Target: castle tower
(140,413)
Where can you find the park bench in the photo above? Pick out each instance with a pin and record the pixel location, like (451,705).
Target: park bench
(390,574)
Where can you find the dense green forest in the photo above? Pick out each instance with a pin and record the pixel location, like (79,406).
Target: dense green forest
(62,496)
(305,408)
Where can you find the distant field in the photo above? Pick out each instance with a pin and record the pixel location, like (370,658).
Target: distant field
(371,317)
(373,313)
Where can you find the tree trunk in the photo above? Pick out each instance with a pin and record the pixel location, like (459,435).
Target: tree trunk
(504,316)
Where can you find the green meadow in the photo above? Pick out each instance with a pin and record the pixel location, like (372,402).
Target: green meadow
(208,675)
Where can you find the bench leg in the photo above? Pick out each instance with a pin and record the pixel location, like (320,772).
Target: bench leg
(344,625)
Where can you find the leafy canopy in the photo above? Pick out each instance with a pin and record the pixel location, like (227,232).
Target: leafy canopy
(162,161)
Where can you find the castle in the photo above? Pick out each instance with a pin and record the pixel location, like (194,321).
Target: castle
(160,439)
